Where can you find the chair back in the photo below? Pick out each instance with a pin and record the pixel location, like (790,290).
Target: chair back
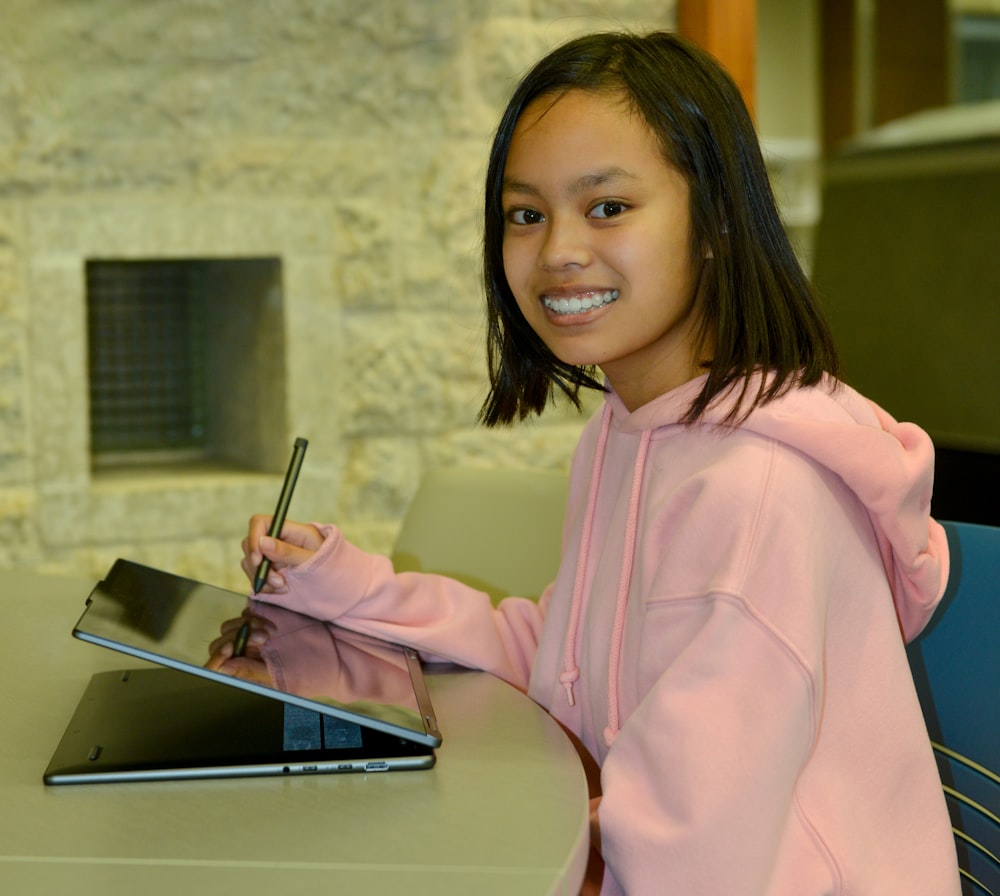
(956,668)
(497,530)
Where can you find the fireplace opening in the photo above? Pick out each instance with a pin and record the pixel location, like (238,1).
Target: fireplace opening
(185,362)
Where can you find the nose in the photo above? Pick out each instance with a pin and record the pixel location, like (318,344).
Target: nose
(565,245)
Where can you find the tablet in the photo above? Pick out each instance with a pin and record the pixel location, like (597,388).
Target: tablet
(317,697)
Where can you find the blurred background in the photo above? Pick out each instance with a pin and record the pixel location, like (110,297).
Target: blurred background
(226,224)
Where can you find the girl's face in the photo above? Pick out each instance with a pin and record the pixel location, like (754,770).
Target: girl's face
(597,243)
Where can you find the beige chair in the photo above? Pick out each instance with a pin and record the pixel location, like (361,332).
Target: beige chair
(497,530)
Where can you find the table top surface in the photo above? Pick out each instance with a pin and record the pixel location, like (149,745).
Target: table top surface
(504,811)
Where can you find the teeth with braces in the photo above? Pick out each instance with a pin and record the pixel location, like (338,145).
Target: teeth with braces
(578,304)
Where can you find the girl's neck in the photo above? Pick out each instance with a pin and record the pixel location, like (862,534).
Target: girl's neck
(636,391)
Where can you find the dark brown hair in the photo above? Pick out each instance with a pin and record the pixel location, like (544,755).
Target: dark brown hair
(757,305)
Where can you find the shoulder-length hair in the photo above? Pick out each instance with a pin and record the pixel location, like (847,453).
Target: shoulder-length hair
(758,313)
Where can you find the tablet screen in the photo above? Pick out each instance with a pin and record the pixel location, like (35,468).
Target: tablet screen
(172,620)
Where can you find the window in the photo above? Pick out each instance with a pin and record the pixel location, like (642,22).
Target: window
(978,57)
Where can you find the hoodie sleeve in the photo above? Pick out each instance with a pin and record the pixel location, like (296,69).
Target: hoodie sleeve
(437,615)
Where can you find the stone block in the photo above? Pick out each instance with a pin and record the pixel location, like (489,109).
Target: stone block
(380,478)
(412,372)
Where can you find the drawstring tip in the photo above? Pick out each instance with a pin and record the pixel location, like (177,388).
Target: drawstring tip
(567,679)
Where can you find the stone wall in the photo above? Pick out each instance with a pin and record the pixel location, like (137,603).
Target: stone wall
(349,138)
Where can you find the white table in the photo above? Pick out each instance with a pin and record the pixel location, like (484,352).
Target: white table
(504,811)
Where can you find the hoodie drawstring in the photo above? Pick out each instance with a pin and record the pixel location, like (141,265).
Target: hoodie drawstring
(571,672)
(624,582)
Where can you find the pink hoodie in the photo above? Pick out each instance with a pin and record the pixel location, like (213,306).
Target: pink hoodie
(724,637)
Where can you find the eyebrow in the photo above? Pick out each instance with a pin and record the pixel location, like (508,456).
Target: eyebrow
(582,184)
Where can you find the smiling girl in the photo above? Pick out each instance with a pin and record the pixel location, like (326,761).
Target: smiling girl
(597,243)
(747,540)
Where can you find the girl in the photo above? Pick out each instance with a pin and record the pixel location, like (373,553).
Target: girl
(745,537)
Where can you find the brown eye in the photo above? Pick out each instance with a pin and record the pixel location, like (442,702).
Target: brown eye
(525,216)
(609,208)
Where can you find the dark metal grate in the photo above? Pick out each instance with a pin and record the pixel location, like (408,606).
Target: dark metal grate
(146,324)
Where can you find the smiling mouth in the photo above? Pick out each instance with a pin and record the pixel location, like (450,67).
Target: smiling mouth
(579,304)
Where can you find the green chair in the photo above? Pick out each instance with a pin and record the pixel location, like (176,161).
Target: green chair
(495,529)
(956,668)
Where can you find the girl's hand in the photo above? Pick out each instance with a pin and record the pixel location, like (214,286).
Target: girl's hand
(297,544)
(250,665)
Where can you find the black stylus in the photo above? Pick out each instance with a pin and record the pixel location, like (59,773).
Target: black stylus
(298,453)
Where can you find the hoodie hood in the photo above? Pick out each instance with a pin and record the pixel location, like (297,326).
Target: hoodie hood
(888,465)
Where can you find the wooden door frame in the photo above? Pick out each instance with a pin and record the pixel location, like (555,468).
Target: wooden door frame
(728,30)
